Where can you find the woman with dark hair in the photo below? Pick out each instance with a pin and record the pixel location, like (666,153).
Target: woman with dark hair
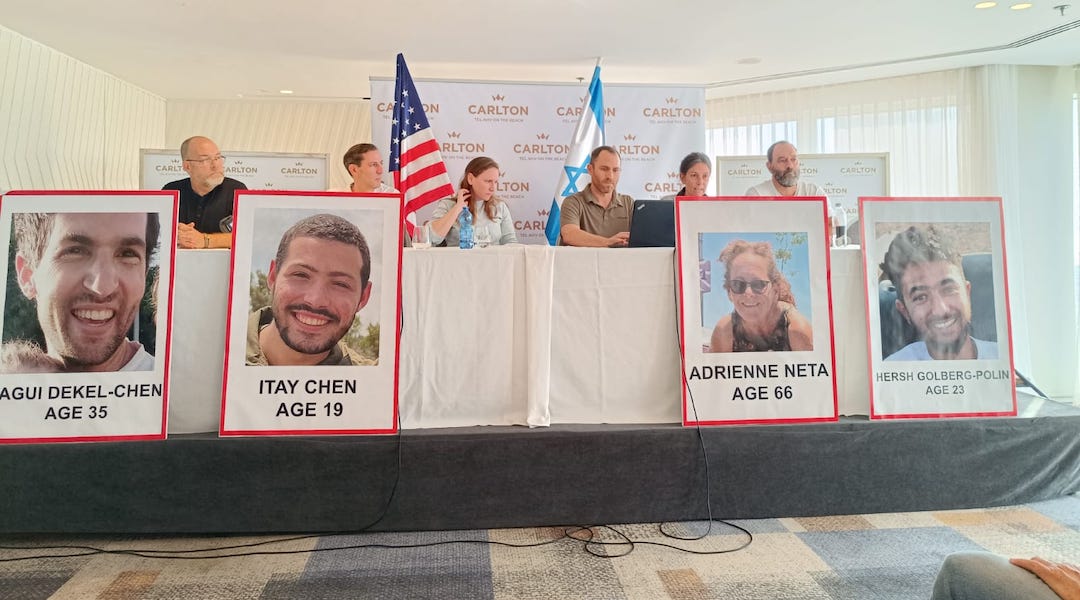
(694,173)
(476,194)
(764,319)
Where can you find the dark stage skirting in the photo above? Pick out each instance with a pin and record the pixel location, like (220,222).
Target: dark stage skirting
(485,477)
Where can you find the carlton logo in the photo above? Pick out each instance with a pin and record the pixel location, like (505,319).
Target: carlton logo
(498,108)
(238,168)
(808,171)
(299,169)
(172,167)
(834,190)
(671,111)
(575,111)
(385,107)
(745,170)
(541,147)
(858,169)
(505,185)
(460,147)
(637,149)
(671,186)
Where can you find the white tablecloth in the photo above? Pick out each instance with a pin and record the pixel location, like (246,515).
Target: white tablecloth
(526,335)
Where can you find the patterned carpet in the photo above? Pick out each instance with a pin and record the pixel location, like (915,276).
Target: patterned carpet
(884,556)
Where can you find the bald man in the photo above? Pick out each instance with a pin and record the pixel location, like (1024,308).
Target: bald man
(206,197)
(782,161)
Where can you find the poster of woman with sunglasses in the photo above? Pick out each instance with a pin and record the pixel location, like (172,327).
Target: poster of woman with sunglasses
(756,293)
(755,307)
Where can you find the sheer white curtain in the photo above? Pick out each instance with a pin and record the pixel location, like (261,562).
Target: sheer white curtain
(994,130)
(913,118)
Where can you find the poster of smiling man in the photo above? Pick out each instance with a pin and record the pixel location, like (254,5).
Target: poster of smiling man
(86,312)
(755,319)
(937,307)
(313,312)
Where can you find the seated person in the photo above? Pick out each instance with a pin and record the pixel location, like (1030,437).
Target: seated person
(985,576)
(490,214)
(365,166)
(694,173)
(598,216)
(206,197)
(764,319)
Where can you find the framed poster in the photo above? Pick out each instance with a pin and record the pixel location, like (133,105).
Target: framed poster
(86,312)
(755,311)
(937,306)
(314,304)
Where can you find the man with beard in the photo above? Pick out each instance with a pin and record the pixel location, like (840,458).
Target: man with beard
(86,274)
(318,281)
(782,160)
(206,197)
(934,296)
(598,216)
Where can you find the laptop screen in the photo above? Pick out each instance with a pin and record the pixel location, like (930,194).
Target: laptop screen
(653,224)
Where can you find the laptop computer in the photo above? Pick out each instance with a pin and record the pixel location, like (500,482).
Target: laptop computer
(653,224)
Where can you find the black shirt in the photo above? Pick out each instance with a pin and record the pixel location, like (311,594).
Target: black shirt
(206,212)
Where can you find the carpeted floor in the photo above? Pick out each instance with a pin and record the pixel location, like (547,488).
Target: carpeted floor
(885,556)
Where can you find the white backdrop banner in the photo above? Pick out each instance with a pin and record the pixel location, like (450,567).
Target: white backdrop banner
(844,177)
(257,170)
(527,128)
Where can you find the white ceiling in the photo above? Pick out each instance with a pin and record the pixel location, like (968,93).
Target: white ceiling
(329,48)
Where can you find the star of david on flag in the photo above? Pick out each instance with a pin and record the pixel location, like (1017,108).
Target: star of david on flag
(588,134)
(418,168)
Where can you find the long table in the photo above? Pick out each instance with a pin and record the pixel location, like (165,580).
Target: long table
(512,335)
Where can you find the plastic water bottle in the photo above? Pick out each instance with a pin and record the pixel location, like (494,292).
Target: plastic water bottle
(839,226)
(465,239)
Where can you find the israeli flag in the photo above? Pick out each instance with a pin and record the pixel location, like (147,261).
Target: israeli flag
(588,134)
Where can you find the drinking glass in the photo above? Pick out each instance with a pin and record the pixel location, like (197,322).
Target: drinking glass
(422,236)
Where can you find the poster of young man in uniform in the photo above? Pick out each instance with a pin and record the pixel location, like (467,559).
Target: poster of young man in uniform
(86,308)
(937,307)
(755,319)
(312,342)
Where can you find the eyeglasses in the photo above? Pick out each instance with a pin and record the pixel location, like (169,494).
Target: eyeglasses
(738,286)
(206,159)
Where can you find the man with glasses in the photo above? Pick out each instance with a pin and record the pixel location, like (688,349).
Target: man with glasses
(206,197)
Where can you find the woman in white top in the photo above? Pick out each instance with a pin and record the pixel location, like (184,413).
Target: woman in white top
(477,194)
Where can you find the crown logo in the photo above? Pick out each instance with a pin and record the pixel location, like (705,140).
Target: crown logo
(543,212)
(542,136)
(671,100)
(672,175)
(453,134)
(858,162)
(581,99)
(498,97)
(298,164)
(269,184)
(629,137)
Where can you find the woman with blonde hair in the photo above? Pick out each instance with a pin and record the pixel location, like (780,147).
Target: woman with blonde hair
(764,318)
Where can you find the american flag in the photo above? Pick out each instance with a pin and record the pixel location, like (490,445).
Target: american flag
(419,172)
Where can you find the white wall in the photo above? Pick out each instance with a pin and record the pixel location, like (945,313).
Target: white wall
(67,125)
(1044,218)
(321,127)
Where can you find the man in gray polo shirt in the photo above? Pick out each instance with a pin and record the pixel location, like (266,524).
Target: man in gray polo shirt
(598,216)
